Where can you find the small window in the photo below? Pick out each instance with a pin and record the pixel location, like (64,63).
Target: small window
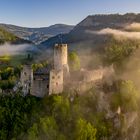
(25,73)
(53,77)
(58,77)
(47,86)
(57,84)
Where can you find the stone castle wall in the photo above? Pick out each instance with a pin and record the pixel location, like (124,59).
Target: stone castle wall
(26,78)
(26,74)
(40,85)
(56,82)
(92,75)
(98,74)
(40,88)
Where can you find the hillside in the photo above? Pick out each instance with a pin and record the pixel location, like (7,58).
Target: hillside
(37,35)
(7,37)
(87,32)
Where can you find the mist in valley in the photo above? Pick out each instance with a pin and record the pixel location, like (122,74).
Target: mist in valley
(9,49)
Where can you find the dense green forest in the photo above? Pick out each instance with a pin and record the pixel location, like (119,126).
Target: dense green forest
(66,116)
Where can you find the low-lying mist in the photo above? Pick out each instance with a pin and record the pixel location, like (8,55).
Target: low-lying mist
(118,34)
(9,49)
(133,26)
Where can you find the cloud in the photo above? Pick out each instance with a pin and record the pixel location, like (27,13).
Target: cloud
(118,34)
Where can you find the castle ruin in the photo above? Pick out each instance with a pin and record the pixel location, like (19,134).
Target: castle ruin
(49,80)
(54,78)
(26,79)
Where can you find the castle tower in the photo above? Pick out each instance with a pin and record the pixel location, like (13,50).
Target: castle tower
(60,56)
(56,82)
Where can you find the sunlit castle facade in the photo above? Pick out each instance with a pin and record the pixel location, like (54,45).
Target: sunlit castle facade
(49,80)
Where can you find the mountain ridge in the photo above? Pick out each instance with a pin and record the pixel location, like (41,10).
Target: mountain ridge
(94,23)
(37,35)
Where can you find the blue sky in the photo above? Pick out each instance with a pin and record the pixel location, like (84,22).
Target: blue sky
(41,13)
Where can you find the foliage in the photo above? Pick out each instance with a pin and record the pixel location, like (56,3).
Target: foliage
(58,117)
(9,77)
(127,97)
(54,117)
(39,65)
(85,131)
(74,61)
(45,129)
(33,132)
(119,50)
(15,114)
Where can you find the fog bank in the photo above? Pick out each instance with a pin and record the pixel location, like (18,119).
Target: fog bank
(8,49)
(118,34)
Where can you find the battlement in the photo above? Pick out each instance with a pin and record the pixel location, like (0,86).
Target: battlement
(60,45)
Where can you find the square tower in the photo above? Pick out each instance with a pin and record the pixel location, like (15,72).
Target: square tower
(60,56)
(56,82)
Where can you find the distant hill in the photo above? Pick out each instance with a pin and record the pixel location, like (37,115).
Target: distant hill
(81,35)
(37,35)
(7,37)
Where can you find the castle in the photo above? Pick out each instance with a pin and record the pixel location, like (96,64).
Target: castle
(53,78)
(49,80)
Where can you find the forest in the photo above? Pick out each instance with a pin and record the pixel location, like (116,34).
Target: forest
(70,116)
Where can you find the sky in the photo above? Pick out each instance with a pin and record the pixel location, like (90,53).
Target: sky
(42,13)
